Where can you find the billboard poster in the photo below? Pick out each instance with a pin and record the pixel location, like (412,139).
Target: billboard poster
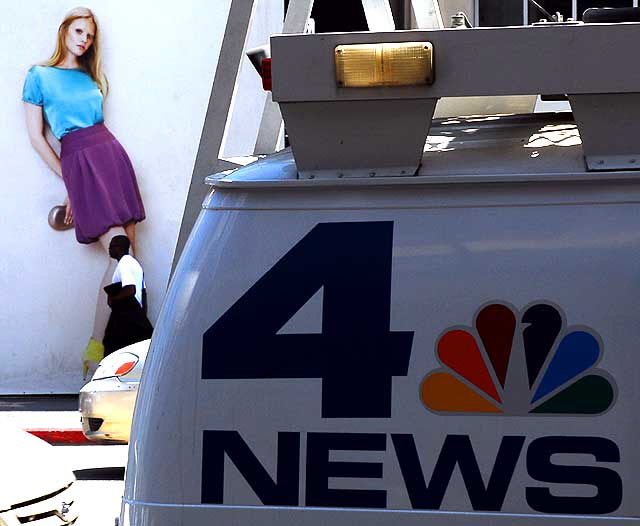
(105,106)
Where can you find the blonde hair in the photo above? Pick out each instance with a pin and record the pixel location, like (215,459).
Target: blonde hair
(91,60)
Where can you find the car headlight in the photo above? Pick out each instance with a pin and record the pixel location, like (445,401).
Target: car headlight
(116,365)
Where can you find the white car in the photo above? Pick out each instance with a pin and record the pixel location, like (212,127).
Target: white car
(107,401)
(35,487)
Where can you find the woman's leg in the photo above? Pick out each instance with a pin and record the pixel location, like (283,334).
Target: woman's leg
(130,230)
(90,359)
(102,309)
(106,238)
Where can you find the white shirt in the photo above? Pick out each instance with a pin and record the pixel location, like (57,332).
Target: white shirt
(129,272)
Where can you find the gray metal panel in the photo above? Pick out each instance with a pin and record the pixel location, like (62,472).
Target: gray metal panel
(358,138)
(609,127)
(298,12)
(426,14)
(583,59)
(207,159)
(378,15)
(270,128)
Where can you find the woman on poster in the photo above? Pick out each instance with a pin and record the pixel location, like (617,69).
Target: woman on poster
(67,92)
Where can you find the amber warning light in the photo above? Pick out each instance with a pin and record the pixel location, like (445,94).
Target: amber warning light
(384,64)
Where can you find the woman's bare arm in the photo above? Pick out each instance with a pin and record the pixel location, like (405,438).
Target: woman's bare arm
(35,128)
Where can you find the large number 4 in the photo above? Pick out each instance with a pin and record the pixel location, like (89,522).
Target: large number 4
(355,355)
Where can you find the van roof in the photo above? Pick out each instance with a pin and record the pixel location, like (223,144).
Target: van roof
(494,148)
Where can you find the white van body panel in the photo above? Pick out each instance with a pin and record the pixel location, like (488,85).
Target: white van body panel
(441,251)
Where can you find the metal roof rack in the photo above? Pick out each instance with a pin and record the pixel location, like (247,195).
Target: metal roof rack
(342,132)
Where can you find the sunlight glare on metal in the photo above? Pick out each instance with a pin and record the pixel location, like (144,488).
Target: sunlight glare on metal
(555,135)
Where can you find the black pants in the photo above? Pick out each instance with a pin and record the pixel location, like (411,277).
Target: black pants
(127,324)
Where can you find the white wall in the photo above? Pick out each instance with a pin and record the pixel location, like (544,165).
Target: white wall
(160,58)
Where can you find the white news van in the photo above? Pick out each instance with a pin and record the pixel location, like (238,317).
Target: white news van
(403,321)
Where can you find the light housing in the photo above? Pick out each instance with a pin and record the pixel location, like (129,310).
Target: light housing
(126,367)
(260,58)
(116,365)
(384,64)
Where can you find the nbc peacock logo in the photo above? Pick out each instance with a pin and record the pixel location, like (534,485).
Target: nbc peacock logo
(518,363)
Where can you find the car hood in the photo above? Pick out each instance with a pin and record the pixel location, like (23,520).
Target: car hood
(30,468)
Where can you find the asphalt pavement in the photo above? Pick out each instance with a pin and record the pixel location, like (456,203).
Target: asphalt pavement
(67,402)
(42,412)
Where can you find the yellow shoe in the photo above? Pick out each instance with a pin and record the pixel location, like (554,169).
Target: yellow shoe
(93,353)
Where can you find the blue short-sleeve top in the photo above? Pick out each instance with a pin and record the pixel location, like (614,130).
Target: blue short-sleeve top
(70,98)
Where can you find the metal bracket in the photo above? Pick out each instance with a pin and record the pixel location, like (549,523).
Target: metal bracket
(609,125)
(383,137)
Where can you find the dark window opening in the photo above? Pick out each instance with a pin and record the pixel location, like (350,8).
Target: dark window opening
(332,17)
(500,13)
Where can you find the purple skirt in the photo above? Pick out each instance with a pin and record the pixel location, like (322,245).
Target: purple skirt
(100,181)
